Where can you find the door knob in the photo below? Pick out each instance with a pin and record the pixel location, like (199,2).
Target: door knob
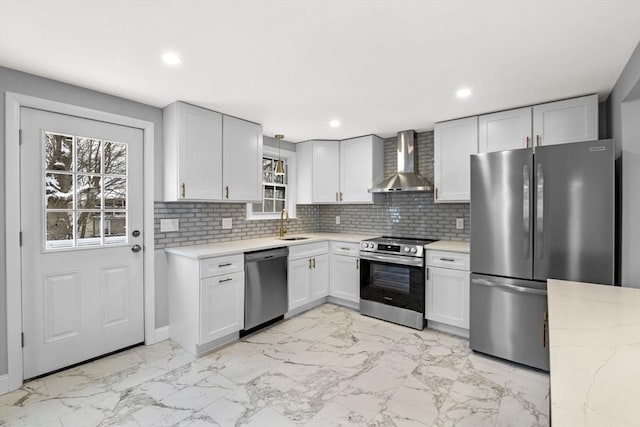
(136,248)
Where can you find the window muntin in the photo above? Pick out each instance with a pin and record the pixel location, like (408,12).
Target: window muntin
(85,191)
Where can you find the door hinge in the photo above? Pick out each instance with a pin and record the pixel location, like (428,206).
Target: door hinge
(22,338)
(21,238)
(20,137)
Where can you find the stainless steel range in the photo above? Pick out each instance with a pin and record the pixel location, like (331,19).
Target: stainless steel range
(392,280)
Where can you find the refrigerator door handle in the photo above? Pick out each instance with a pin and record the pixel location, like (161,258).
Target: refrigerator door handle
(526,209)
(520,289)
(540,211)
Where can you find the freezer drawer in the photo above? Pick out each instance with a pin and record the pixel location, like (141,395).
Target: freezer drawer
(508,319)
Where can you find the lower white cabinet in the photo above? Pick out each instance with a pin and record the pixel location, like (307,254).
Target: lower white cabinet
(345,271)
(447,293)
(308,275)
(206,299)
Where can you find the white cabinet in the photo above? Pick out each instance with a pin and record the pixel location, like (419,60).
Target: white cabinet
(360,168)
(571,120)
(345,271)
(338,171)
(192,147)
(447,293)
(559,122)
(209,156)
(325,171)
(454,142)
(242,160)
(506,130)
(206,300)
(308,274)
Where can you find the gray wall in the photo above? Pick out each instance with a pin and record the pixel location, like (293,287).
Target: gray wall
(405,214)
(15,81)
(624,125)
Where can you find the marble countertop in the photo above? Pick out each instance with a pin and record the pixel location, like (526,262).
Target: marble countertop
(448,245)
(240,246)
(594,336)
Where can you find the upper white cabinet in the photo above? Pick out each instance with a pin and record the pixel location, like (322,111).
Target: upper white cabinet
(360,168)
(560,122)
(571,120)
(209,156)
(325,171)
(454,142)
(192,147)
(242,160)
(506,130)
(338,171)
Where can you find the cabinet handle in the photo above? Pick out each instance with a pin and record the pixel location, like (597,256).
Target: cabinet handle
(184,189)
(436,193)
(314,262)
(544,329)
(309,263)
(526,142)
(538,139)
(226,192)
(336,196)
(447,259)
(226,264)
(345,249)
(341,196)
(357,263)
(228,279)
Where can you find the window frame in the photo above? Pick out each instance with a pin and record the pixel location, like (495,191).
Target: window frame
(290,158)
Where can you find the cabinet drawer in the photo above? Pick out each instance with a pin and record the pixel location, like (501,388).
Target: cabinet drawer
(221,265)
(446,259)
(344,248)
(307,250)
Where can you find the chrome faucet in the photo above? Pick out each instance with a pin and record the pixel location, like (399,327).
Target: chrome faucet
(284,216)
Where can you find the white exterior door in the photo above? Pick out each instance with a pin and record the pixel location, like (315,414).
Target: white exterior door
(81,222)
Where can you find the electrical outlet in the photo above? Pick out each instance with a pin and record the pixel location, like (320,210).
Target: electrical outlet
(227,223)
(167,225)
(337,219)
(460,223)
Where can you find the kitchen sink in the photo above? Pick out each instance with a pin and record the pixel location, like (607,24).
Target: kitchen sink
(294,238)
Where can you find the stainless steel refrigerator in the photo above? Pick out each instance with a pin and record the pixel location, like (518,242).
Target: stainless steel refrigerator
(536,214)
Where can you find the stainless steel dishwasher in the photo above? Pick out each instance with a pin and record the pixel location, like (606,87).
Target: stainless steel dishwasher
(265,278)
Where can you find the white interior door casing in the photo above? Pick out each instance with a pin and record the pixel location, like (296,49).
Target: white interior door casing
(506,130)
(571,120)
(82,285)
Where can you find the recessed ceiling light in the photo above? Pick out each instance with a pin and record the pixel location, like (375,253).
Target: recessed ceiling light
(171,58)
(334,123)
(465,92)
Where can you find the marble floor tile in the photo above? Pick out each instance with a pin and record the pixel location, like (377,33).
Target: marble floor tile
(329,366)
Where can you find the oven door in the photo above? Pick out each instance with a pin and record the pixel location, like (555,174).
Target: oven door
(392,280)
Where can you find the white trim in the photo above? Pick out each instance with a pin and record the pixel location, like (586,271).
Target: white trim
(290,157)
(13,103)
(162,333)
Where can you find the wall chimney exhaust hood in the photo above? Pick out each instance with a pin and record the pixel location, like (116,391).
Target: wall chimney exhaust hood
(407,177)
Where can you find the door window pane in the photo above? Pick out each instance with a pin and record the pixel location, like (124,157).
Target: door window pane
(115,158)
(88,228)
(88,155)
(88,192)
(115,227)
(58,152)
(115,193)
(58,190)
(59,227)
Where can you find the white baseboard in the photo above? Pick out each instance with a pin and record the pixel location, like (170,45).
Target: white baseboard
(4,384)
(162,333)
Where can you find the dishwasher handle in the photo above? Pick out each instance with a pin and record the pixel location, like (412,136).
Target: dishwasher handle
(266,254)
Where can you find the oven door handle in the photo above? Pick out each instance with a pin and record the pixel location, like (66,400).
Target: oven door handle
(410,261)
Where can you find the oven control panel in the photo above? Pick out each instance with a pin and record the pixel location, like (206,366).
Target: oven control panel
(392,248)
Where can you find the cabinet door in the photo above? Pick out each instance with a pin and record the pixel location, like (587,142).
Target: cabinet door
(319,277)
(221,306)
(448,297)
(360,168)
(571,120)
(454,141)
(242,160)
(326,171)
(345,278)
(506,130)
(304,168)
(298,282)
(199,148)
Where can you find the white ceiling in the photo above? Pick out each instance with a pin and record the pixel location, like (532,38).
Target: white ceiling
(377,66)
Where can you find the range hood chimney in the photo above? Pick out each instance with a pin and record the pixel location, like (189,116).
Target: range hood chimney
(407,177)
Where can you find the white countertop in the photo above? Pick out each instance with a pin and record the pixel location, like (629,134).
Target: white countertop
(448,245)
(240,246)
(594,335)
